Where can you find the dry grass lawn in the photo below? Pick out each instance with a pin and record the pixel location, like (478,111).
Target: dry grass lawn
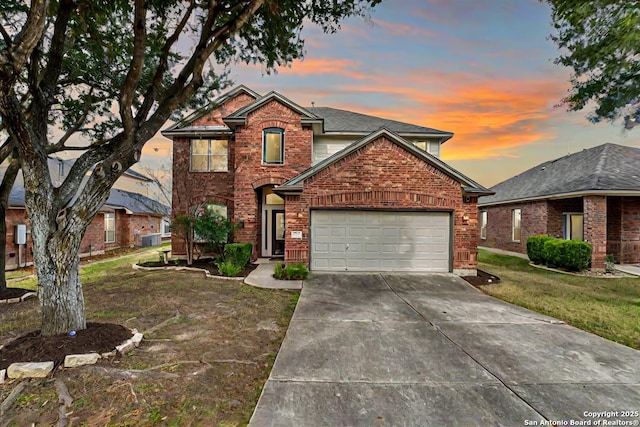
(609,307)
(208,349)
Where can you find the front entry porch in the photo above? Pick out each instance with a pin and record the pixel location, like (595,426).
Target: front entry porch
(272,232)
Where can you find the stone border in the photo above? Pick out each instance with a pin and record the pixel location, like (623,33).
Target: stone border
(206,272)
(570,273)
(43,369)
(23,298)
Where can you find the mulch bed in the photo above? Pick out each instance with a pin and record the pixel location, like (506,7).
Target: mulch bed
(204,264)
(32,347)
(10,293)
(483,278)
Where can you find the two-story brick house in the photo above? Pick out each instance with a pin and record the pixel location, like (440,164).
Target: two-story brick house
(335,189)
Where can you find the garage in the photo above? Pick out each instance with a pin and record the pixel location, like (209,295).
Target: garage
(361,240)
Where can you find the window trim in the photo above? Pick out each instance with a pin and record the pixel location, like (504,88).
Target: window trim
(513,224)
(566,225)
(209,155)
(265,132)
(484,218)
(109,217)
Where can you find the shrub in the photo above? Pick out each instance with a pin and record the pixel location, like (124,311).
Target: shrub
(297,271)
(228,268)
(575,255)
(214,230)
(553,252)
(238,253)
(535,248)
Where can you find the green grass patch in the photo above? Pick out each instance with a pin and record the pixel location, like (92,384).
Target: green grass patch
(609,307)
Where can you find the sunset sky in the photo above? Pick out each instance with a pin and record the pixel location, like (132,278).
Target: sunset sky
(482,69)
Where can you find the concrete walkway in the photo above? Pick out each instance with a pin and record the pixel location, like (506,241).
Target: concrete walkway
(503,252)
(430,350)
(629,269)
(262,277)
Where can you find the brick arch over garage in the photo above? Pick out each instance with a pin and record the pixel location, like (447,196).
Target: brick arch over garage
(269,180)
(382,198)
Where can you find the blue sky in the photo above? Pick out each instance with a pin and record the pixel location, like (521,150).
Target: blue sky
(482,69)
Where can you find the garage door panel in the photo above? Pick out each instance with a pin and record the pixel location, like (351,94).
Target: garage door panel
(380,241)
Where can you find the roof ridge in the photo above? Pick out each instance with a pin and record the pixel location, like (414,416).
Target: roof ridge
(600,165)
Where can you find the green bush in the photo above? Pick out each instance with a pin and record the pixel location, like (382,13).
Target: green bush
(297,271)
(228,268)
(553,253)
(573,255)
(576,255)
(238,253)
(535,248)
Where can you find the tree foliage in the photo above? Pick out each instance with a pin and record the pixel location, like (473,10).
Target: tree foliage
(600,41)
(102,77)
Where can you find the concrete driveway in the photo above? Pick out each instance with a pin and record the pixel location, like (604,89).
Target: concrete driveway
(429,350)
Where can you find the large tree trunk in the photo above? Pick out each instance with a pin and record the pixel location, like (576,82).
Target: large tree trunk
(55,256)
(3,248)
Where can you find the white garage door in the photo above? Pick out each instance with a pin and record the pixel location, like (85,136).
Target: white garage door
(380,241)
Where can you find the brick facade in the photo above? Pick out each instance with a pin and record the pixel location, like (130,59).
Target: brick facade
(611,225)
(129,231)
(383,175)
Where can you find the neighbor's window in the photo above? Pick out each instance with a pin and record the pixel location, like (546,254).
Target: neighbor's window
(273,146)
(483,224)
(166,228)
(109,228)
(516,215)
(209,155)
(573,224)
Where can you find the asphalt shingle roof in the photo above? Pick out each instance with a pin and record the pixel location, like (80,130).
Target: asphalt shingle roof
(607,167)
(336,120)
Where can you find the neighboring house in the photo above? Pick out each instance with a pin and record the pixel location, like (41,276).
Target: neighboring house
(121,222)
(592,195)
(335,189)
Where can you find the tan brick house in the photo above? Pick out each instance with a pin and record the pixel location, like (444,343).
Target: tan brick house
(592,195)
(335,189)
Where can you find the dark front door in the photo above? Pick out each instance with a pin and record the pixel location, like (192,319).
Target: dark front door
(277,233)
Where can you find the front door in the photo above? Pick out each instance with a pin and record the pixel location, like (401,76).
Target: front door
(277,233)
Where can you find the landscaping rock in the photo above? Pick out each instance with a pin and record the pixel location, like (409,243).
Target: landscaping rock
(73,360)
(137,338)
(3,375)
(126,347)
(30,370)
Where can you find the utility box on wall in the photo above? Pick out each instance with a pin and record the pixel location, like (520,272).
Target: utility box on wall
(20,234)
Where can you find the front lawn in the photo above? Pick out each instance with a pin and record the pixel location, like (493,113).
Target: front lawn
(609,307)
(208,349)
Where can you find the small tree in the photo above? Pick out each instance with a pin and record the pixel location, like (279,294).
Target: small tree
(215,231)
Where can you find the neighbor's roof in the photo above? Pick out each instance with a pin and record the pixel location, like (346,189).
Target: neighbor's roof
(118,199)
(607,168)
(342,121)
(136,203)
(469,186)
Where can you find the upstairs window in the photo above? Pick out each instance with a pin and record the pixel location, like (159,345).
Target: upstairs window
(273,146)
(431,147)
(209,155)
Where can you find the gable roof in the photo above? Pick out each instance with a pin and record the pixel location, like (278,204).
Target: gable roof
(183,125)
(349,122)
(241,115)
(469,186)
(605,169)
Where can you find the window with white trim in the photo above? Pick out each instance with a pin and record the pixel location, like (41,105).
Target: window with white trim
(431,147)
(483,224)
(516,217)
(273,146)
(573,225)
(109,227)
(209,155)
(165,228)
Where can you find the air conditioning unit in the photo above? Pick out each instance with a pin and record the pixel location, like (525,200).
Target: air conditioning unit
(20,234)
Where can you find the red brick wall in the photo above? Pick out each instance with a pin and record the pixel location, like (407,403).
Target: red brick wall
(12,218)
(93,240)
(595,228)
(250,173)
(630,230)
(556,209)
(191,188)
(384,175)
(614,227)
(534,220)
